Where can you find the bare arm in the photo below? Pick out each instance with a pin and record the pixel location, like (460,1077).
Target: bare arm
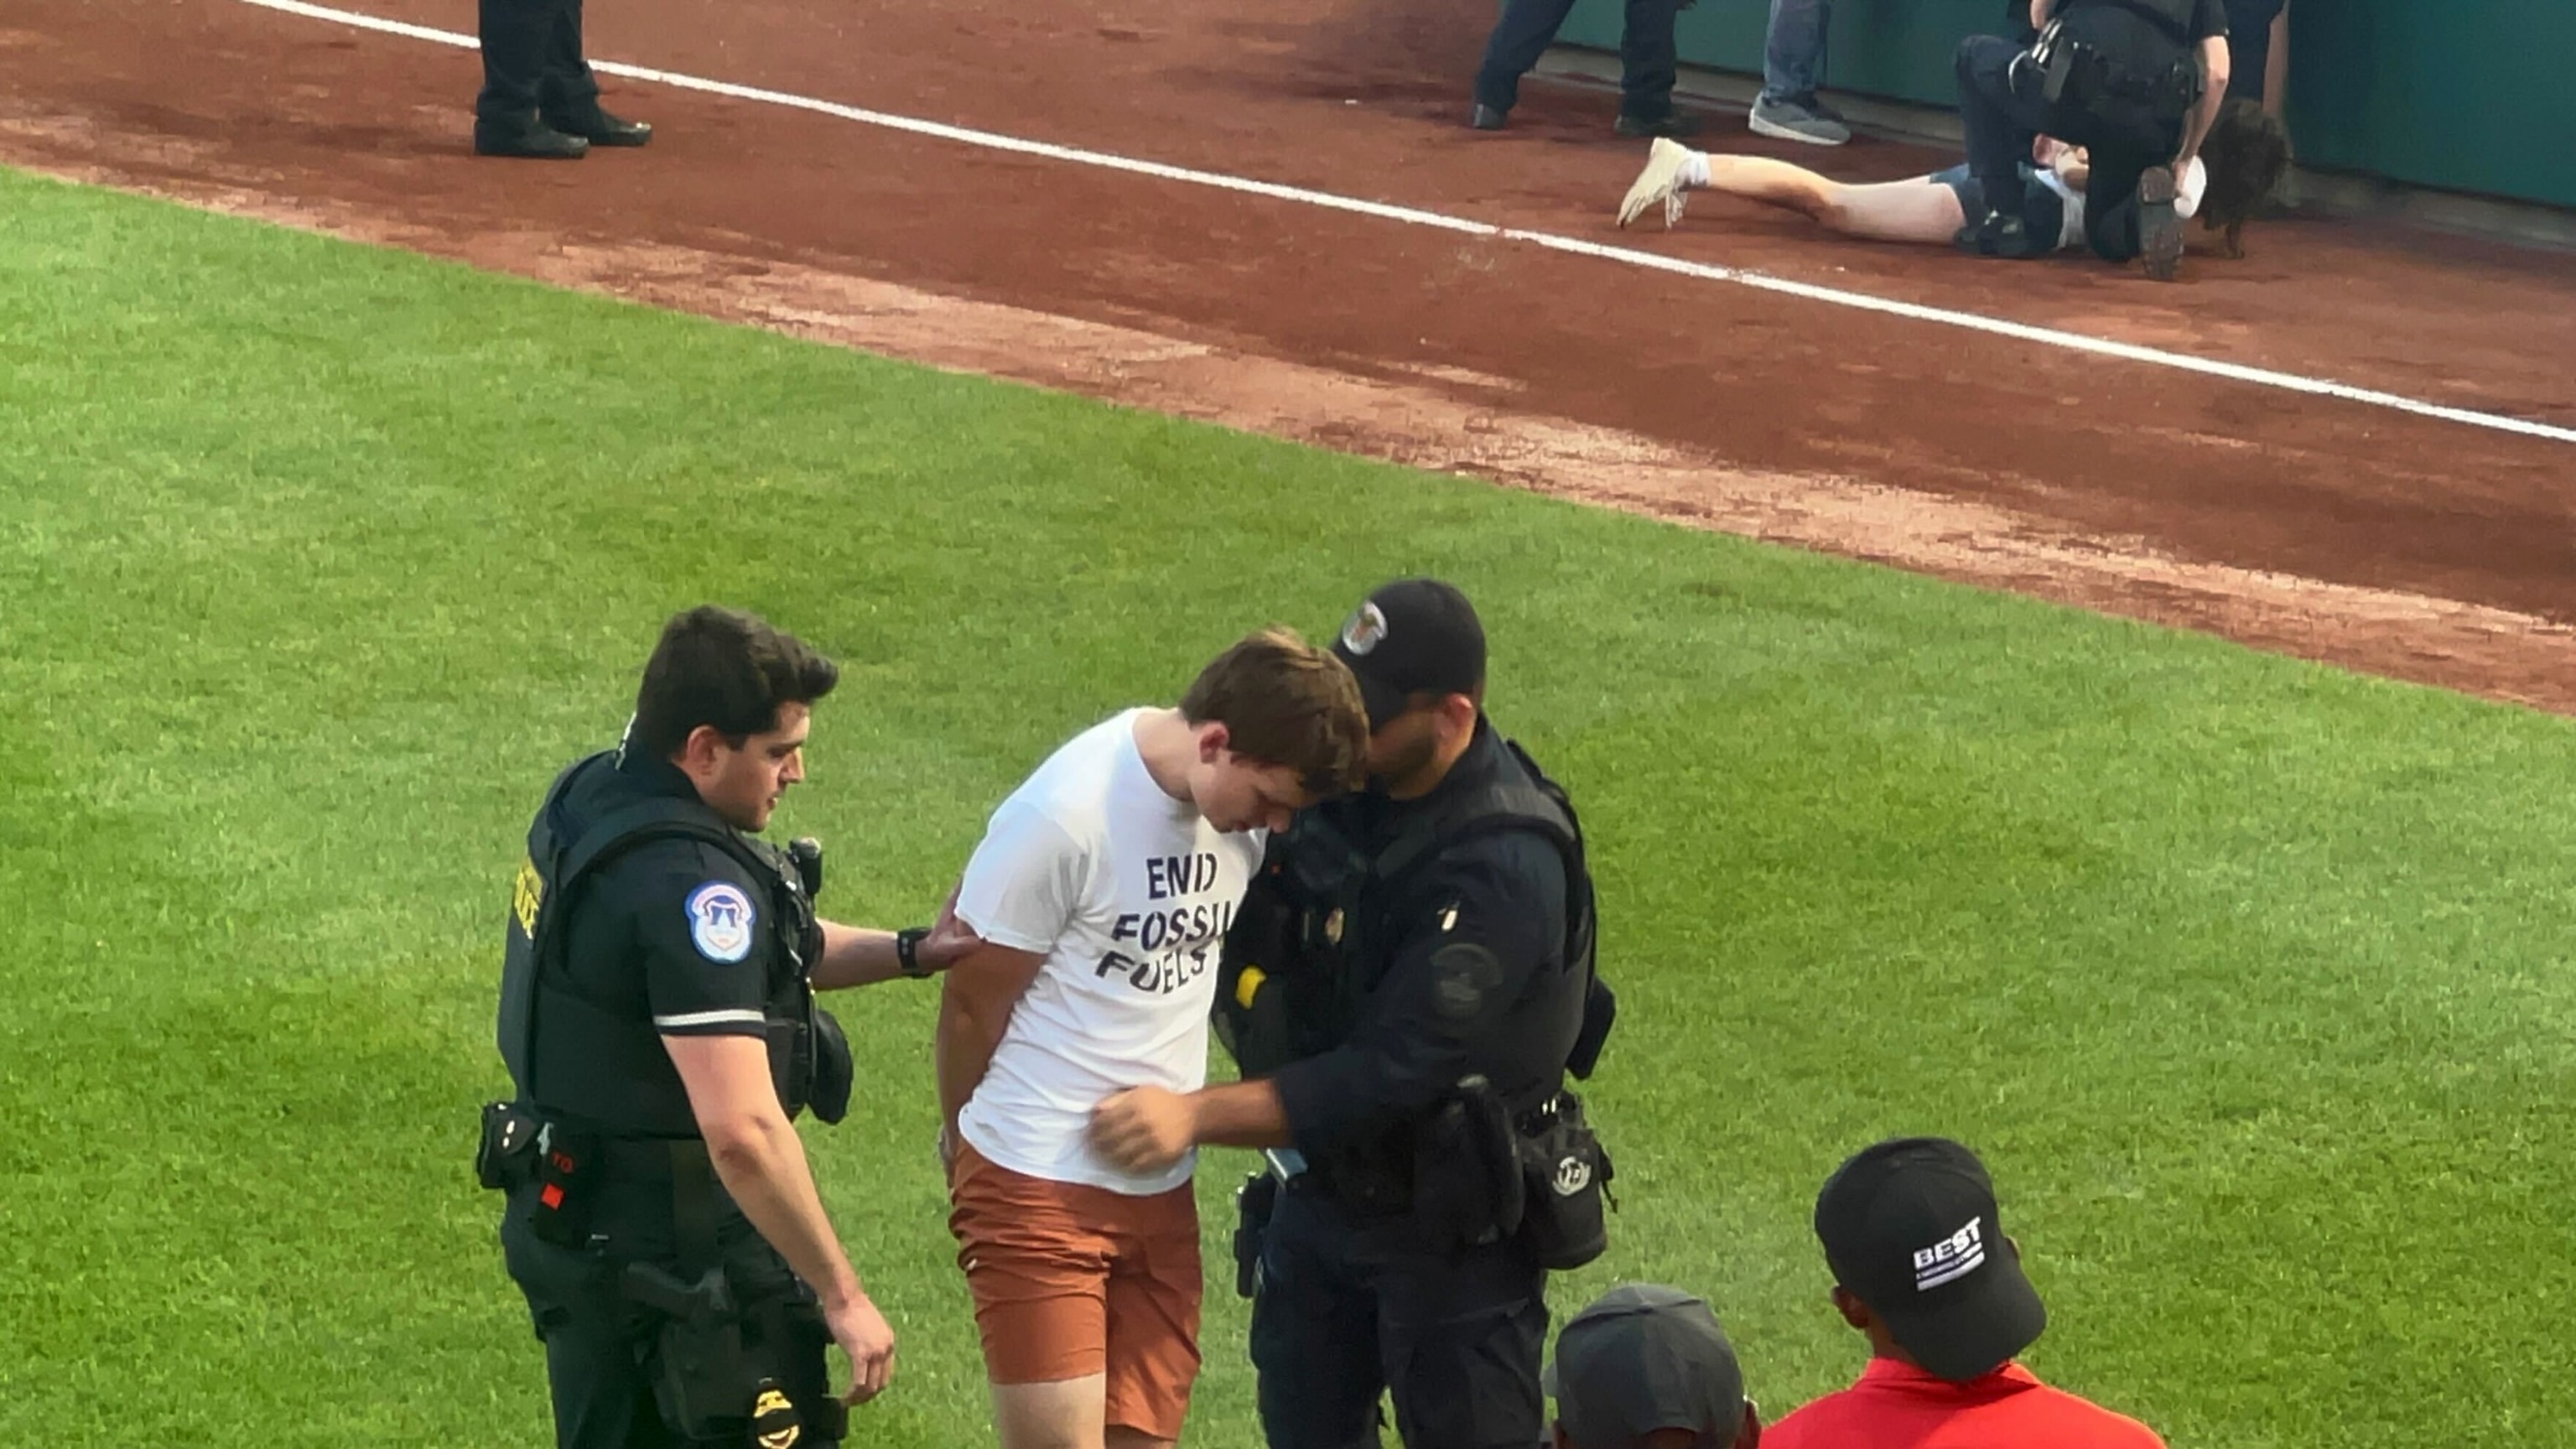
(2039,13)
(975,1005)
(2073,166)
(1147,1129)
(761,1161)
(2276,65)
(854,956)
(1242,1114)
(863,956)
(759,1157)
(2213,95)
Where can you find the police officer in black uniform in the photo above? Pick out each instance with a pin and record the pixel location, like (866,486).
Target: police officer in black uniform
(2137,82)
(1404,990)
(659,1024)
(540,100)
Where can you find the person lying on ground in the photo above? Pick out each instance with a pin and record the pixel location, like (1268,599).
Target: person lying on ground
(2240,163)
(1919,209)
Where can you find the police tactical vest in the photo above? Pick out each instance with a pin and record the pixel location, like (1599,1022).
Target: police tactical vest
(1314,920)
(569,1054)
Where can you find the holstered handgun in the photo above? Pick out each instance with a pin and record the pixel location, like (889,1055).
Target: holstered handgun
(1254,1203)
(701,1382)
(2055,57)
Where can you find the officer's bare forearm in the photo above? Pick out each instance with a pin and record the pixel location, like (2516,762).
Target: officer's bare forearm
(2213,95)
(854,956)
(2276,66)
(761,1161)
(1240,1114)
(759,1158)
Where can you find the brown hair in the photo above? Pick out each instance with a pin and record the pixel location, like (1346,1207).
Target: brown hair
(1285,702)
(721,667)
(2248,151)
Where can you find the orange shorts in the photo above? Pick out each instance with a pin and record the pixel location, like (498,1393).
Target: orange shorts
(1071,1281)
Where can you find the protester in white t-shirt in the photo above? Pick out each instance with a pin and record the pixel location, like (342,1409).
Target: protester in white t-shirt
(1102,892)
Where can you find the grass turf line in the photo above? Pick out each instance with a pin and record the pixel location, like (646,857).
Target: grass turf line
(2249,977)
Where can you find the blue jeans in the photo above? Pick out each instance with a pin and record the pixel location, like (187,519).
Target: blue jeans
(1793,52)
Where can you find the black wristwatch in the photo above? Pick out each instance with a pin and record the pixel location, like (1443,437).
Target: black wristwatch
(907,951)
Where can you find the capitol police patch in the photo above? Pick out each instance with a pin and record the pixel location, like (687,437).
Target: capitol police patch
(720,918)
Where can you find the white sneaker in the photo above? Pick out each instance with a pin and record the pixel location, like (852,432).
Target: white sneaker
(1660,181)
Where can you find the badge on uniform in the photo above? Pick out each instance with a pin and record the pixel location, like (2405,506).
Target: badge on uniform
(720,918)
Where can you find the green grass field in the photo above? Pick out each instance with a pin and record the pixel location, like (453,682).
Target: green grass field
(2251,979)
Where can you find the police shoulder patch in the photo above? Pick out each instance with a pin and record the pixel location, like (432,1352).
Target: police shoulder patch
(1462,975)
(720,921)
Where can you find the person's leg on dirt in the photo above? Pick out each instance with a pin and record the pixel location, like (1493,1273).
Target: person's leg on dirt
(568,94)
(1925,209)
(1522,34)
(1649,64)
(517,39)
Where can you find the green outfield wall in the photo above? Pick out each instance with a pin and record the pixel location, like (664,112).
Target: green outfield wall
(2467,95)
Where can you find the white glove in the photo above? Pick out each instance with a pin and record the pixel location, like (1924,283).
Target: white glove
(2189,187)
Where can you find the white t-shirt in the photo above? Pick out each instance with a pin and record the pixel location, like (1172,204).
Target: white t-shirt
(1128,892)
(2071,232)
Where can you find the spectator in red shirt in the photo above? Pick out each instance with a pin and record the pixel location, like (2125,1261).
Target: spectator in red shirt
(1922,1266)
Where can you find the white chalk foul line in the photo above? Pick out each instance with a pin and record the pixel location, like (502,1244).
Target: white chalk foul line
(1411,216)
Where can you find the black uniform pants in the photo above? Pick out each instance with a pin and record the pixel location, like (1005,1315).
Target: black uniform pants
(532,60)
(602,1348)
(1342,1316)
(2002,118)
(1648,59)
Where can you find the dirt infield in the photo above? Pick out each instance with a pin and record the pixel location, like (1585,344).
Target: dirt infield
(2414,547)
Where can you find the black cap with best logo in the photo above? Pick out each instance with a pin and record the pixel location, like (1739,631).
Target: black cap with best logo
(1910,1227)
(1642,1358)
(1413,636)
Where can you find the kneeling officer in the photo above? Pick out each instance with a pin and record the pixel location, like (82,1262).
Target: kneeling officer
(658,1019)
(1406,989)
(2137,82)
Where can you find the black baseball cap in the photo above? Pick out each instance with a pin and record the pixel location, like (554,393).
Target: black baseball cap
(1910,1227)
(1413,636)
(1642,1358)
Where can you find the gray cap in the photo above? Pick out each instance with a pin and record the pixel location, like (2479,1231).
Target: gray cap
(1642,1358)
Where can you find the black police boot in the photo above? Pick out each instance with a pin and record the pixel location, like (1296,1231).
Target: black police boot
(528,140)
(2159,227)
(1997,235)
(1485,118)
(1675,124)
(598,127)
